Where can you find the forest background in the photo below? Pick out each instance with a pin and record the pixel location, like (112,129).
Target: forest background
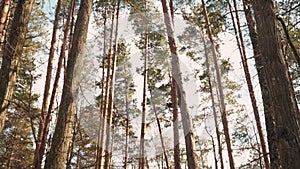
(122,85)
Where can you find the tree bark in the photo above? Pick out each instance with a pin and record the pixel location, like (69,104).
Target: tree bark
(220,149)
(241,46)
(175,125)
(12,53)
(102,96)
(271,133)
(63,132)
(144,104)
(221,94)
(4,16)
(127,124)
(160,132)
(37,155)
(111,93)
(56,82)
(174,99)
(106,102)
(277,91)
(176,74)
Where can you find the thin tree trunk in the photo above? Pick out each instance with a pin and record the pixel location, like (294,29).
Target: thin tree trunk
(55,84)
(171,4)
(257,142)
(111,93)
(176,74)
(108,80)
(102,113)
(251,92)
(174,98)
(102,98)
(219,81)
(37,157)
(110,164)
(241,46)
(114,64)
(12,53)
(277,92)
(175,124)
(214,150)
(63,131)
(142,157)
(127,124)
(220,149)
(111,81)
(160,133)
(4,16)
(144,104)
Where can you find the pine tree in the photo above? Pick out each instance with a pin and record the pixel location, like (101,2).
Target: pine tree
(240,43)
(176,74)
(12,53)
(63,131)
(193,49)
(220,90)
(50,109)
(19,134)
(4,17)
(39,151)
(111,103)
(125,104)
(280,106)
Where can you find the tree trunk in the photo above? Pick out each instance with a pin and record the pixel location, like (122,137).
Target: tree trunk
(4,16)
(76,128)
(277,91)
(268,116)
(160,132)
(241,46)
(56,83)
(63,131)
(111,93)
(220,149)
(101,102)
(175,125)
(37,157)
(102,97)
(127,123)
(219,82)
(174,98)
(12,53)
(176,74)
(144,104)
(105,126)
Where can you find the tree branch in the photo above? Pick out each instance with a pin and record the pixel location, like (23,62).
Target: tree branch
(288,38)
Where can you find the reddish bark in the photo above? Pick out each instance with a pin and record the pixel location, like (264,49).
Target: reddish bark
(220,89)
